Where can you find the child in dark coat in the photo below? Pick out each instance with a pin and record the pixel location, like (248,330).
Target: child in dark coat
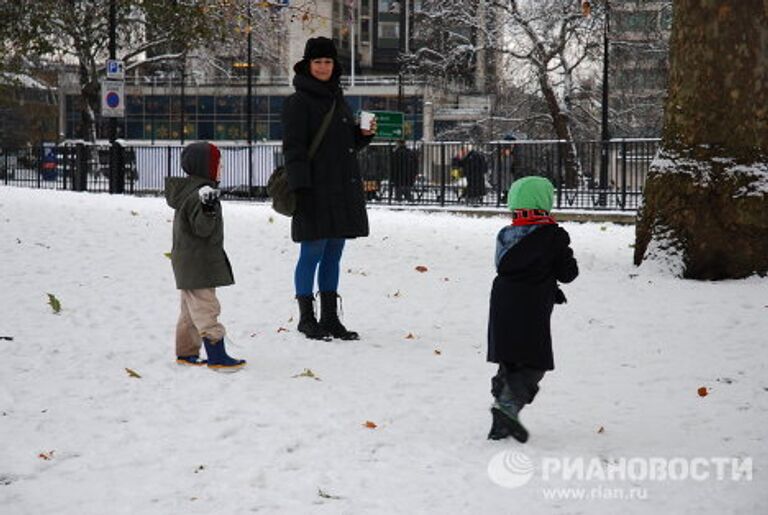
(200,264)
(532,255)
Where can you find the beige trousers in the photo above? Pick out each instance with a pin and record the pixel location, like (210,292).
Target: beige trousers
(199,318)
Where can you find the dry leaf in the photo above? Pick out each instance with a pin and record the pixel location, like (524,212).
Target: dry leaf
(133,373)
(282,330)
(421,268)
(703,391)
(54,303)
(438,352)
(308,373)
(326,495)
(410,336)
(167,254)
(134,213)
(370,425)
(601,430)
(47,456)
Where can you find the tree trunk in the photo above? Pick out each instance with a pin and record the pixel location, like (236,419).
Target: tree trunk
(562,129)
(90,95)
(705,210)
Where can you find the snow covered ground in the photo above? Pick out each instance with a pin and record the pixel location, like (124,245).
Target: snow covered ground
(79,435)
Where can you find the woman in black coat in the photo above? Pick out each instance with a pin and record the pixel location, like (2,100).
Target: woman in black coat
(330,202)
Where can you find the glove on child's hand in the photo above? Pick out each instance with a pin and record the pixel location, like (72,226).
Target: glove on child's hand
(209,197)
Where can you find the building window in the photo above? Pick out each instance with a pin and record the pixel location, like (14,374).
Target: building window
(365,31)
(389,6)
(389,30)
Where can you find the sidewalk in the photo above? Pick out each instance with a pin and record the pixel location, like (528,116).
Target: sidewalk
(565,215)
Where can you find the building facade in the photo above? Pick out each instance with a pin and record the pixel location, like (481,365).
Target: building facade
(638,66)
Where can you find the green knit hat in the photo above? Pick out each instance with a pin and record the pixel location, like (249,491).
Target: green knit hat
(531,193)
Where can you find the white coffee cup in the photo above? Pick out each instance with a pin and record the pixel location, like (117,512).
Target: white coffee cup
(366,120)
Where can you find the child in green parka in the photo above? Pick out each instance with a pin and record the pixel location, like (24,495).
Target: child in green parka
(200,264)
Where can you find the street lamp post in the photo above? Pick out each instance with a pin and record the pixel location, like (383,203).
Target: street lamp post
(249,102)
(605,134)
(116,178)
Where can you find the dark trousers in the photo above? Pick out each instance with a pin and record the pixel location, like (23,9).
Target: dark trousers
(515,384)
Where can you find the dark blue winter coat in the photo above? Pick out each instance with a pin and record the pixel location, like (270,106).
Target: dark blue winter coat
(530,260)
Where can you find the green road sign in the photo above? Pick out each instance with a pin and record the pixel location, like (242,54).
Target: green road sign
(389,125)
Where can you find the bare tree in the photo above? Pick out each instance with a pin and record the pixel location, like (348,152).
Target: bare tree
(148,31)
(547,46)
(705,211)
(549,41)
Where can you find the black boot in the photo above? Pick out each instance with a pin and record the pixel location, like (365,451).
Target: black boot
(329,318)
(307,321)
(506,424)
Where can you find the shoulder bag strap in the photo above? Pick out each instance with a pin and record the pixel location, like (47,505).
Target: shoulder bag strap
(321,133)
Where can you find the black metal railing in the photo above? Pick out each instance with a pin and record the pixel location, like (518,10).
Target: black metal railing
(427,173)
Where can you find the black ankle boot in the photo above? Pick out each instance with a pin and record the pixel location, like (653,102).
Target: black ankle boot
(307,321)
(329,318)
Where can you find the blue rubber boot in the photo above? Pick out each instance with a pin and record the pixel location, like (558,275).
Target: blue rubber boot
(192,361)
(218,358)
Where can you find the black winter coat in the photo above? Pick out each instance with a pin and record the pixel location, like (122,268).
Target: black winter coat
(330,202)
(523,297)
(474,167)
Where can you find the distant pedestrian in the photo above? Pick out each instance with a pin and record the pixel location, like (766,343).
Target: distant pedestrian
(199,262)
(405,168)
(473,167)
(532,255)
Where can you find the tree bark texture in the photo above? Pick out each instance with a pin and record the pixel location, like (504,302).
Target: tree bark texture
(706,195)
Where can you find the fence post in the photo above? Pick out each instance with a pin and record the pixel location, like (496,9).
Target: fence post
(251,192)
(7,171)
(624,174)
(81,169)
(62,151)
(40,155)
(499,171)
(559,154)
(168,161)
(442,174)
(392,162)
(118,160)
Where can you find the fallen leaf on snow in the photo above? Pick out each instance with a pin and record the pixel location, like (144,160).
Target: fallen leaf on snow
(54,303)
(47,456)
(282,330)
(410,336)
(308,373)
(438,352)
(133,373)
(370,425)
(421,268)
(601,430)
(167,254)
(326,495)
(703,391)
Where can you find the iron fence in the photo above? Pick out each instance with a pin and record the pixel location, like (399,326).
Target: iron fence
(415,173)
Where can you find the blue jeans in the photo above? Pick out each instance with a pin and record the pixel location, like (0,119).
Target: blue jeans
(326,253)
